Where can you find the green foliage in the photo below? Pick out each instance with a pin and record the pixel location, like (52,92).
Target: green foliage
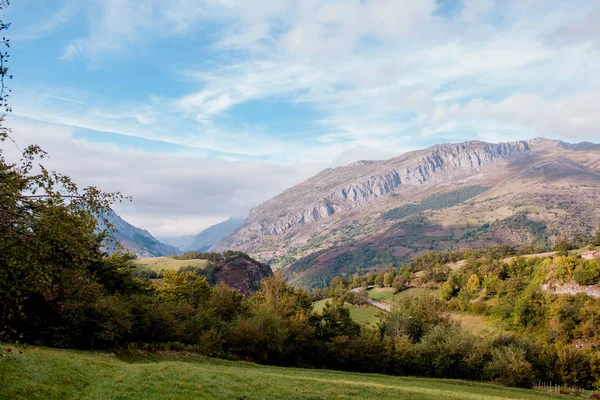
(336,321)
(435,202)
(587,273)
(510,367)
(448,351)
(450,288)
(562,245)
(596,239)
(473,284)
(414,316)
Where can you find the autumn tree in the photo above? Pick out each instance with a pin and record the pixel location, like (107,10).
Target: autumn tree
(49,236)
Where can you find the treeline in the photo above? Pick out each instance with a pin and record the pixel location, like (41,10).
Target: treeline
(554,337)
(419,338)
(211,256)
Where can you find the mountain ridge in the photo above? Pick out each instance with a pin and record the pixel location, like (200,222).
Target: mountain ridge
(135,240)
(213,234)
(308,217)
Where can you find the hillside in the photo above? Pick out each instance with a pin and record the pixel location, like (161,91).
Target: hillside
(42,373)
(375,213)
(135,240)
(213,234)
(204,240)
(181,242)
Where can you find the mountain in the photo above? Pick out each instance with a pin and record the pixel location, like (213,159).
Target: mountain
(213,234)
(375,213)
(181,242)
(205,239)
(137,241)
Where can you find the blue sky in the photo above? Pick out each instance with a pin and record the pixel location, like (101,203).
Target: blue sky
(201,109)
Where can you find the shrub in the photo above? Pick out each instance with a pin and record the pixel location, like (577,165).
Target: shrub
(473,285)
(509,367)
(587,273)
(450,352)
(478,307)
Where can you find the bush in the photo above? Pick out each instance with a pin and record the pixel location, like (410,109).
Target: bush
(587,273)
(413,316)
(258,338)
(478,307)
(450,352)
(574,367)
(509,367)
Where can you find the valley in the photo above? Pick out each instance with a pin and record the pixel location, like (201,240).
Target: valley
(368,199)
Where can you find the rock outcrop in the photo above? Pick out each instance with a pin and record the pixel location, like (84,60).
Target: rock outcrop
(243,274)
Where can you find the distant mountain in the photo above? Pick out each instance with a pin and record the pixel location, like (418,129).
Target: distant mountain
(181,242)
(370,214)
(137,241)
(213,234)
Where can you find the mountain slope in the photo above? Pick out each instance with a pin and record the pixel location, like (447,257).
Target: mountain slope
(135,240)
(181,242)
(213,234)
(372,213)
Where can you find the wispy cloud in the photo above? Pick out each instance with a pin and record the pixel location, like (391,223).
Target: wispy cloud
(63,98)
(368,79)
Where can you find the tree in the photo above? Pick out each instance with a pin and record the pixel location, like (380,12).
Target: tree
(509,367)
(282,299)
(49,236)
(473,285)
(562,245)
(596,239)
(336,321)
(388,278)
(450,287)
(185,287)
(4,90)
(379,279)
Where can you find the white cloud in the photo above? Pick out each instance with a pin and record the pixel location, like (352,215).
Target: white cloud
(382,77)
(172,194)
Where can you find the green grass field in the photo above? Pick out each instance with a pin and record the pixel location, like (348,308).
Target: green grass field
(414,291)
(158,264)
(365,314)
(579,252)
(50,374)
(381,294)
(478,325)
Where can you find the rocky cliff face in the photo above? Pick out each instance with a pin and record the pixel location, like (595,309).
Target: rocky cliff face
(339,189)
(135,240)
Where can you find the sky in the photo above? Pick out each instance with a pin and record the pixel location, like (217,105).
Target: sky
(203,109)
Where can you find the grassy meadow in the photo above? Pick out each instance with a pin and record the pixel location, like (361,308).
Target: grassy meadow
(381,294)
(52,374)
(157,264)
(366,314)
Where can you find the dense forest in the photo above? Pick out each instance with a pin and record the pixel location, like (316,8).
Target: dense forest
(548,327)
